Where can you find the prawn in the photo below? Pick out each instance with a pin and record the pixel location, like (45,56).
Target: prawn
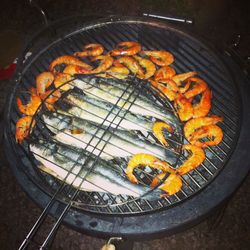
(92,49)
(147,65)
(31,107)
(50,97)
(168,88)
(213,132)
(197,87)
(165,72)
(43,81)
(23,126)
(193,161)
(202,108)
(119,72)
(179,78)
(184,108)
(127,48)
(161,58)
(158,131)
(68,60)
(130,63)
(171,185)
(61,79)
(75,69)
(106,63)
(145,160)
(192,125)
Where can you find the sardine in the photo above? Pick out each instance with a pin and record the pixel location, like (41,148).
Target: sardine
(102,112)
(81,170)
(107,143)
(118,92)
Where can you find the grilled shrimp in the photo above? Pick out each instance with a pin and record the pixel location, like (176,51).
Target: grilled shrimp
(106,63)
(146,160)
(127,48)
(92,49)
(197,157)
(158,131)
(213,132)
(131,64)
(61,79)
(31,107)
(165,72)
(119,72)
(161,58)
(179,78)
(147,65)
(196,123)
(75,69)
(184,108)
(202,108)
(68,60)
(171,185)
(43,81)
(23,125)
(168,88)
(197,87)
(50,97)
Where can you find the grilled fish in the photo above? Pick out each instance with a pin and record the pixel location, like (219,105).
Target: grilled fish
(118,92)
(79,169)
(107,143)
(102,112)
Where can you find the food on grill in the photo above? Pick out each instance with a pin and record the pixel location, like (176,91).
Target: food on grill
(128,48)
(118,93)
(43,81)
(213,132)
(22,128)
(31,107)
(180,78)
(66,163)
(118,72)
(92,109)
(196,158)
(167,88)
(105,143)
(146,160)
(161,58)
(202,108)
(148,67)
(66,59)
(158,128)
(191,126)
(197,87)
(170,186)
(131,63)
(164,72)
(184,108)
(106,63)
(92,49)
(104,114)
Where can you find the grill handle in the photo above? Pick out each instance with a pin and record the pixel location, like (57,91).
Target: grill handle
(169,18)
(41,11)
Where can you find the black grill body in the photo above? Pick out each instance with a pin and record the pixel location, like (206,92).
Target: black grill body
(220,174)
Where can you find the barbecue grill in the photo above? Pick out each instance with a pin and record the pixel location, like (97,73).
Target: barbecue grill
(103,214)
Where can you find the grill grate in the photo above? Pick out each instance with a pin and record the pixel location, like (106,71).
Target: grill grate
(189,54)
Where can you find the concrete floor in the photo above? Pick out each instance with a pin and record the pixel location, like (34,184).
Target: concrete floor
(18,213)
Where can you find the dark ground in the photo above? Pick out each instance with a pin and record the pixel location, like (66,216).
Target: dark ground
(217,21)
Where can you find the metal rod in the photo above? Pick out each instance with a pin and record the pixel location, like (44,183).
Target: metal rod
(42,12)
(169,18)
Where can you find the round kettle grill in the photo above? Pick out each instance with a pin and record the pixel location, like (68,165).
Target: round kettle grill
(104,214)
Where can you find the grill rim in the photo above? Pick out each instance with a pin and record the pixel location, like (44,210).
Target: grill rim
(99,217)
